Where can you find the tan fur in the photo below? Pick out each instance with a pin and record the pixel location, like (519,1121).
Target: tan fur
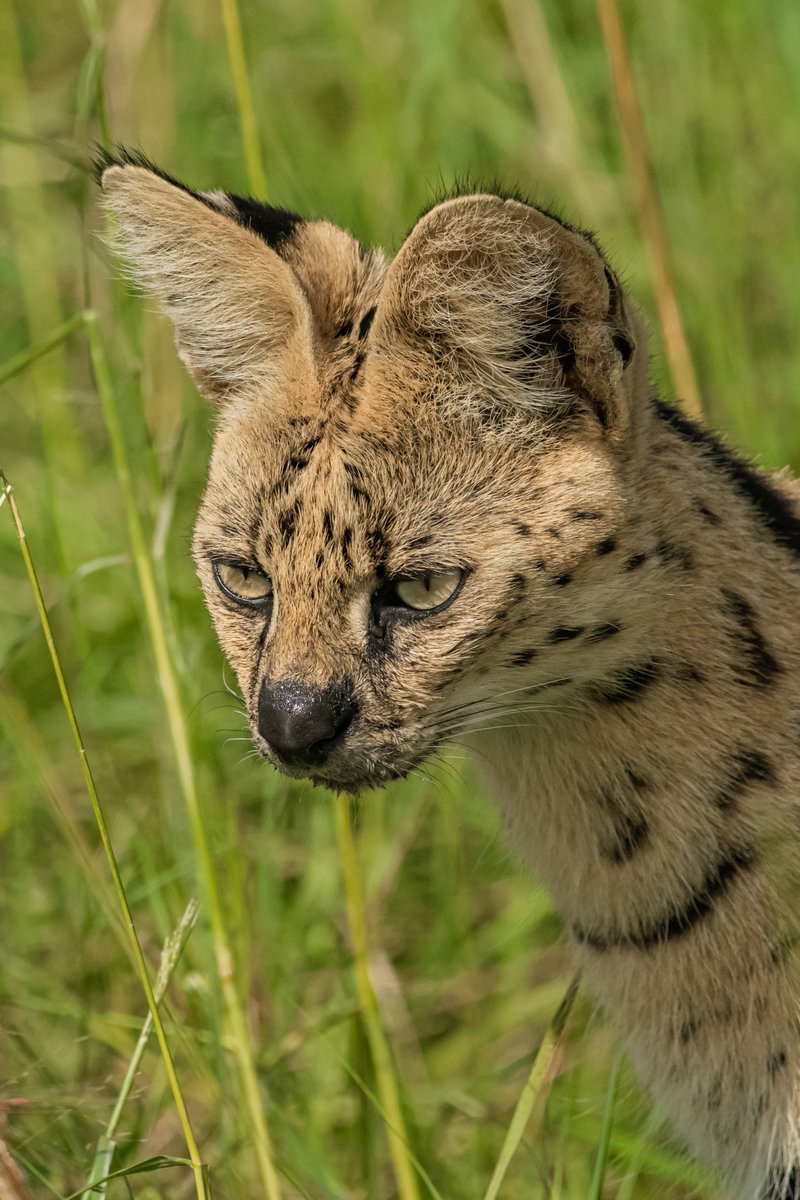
(623,652)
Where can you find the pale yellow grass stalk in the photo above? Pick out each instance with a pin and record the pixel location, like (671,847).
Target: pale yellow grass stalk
(648,206)
(386,1078)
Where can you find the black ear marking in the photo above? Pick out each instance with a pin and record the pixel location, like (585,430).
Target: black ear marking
(273,225)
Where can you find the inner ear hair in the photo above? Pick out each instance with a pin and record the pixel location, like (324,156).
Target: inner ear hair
(522,307)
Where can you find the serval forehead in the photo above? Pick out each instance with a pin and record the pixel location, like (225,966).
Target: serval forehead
(319,498)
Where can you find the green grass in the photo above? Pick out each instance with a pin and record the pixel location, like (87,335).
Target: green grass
(362,112)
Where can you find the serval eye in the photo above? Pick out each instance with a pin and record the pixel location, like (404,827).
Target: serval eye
(243,584)
(430,591)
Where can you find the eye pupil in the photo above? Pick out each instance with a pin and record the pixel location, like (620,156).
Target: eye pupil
(426,592)
(246,585)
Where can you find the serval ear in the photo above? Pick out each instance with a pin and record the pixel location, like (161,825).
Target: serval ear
(241,319)
(515,311)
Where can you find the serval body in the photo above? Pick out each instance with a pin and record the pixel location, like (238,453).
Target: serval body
(445,504)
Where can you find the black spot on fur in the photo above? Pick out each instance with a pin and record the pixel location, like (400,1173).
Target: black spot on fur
(757,666)
(688,1031)
(748,766)
(755,767)
(565,633)
(771,508)
(287,522)
(366,323)
(562,580)
(634,562)
(554,533)
(668,553)
(607,546)
(522,658)
(320,560)
(582,514)
(630,824)
(678,923)
(347,538)
(706,513)
(327,525)
(357,365)
(344,330)
(782,1183)
(631,831)
(628,684)
(521,529)
(358,494)
(601,633)
(689,674)
(776,1061)
(378,545)
(518,585)
(417,543)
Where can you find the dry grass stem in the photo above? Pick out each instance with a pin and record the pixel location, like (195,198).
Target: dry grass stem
(648,206)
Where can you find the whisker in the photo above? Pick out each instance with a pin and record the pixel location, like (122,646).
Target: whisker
(472,719)
(528,687)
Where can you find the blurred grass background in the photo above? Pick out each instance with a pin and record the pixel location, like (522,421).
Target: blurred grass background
(363,112)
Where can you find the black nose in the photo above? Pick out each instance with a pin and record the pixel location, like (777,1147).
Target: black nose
(303,724)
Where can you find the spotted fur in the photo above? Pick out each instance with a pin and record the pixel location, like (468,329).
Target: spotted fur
(622,649)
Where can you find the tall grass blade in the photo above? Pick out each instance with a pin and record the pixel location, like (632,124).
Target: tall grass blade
(385,1075)
(648,204)
(535,1090)
(553,110)
(91,85)
(30,746)
(20,362)
(238,1032)
(127,915)
(601,1159)
(170,955)
(256,175)
(30,234)
(157,1163)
